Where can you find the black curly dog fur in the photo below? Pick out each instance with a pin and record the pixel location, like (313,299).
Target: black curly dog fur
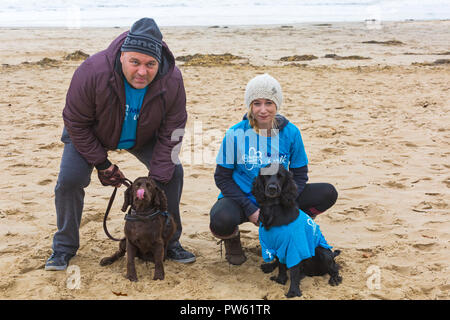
(276,194)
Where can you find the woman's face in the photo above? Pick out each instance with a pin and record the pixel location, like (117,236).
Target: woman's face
(264,112)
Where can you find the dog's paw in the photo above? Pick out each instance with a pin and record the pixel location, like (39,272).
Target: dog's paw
(294,293)
(335,280)
(132,277)
(278,279)
(106,261)
(158,276)
(268,267)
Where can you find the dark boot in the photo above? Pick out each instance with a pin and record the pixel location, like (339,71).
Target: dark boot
(233,248)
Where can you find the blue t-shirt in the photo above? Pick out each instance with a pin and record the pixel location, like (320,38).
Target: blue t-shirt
(133,104)
(246,152)
(292,243)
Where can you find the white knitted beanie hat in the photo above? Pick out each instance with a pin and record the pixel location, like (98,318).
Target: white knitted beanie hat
(263,87)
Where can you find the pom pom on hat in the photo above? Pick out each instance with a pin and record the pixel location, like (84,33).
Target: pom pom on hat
(263,87)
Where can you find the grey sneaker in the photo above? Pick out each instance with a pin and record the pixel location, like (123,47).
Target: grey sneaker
(179,254)
(58,261)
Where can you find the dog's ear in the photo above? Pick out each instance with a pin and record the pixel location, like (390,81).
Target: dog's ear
(127,198)
(258,189)
(160,199)
(288,190)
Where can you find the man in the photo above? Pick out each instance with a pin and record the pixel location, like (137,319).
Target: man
(130,96)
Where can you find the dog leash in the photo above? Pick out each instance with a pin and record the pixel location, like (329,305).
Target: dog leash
(126,182)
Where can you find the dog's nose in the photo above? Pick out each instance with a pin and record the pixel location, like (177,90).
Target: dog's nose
(140,194)
(272,189)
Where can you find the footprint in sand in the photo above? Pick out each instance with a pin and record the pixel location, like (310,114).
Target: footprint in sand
(7,284)
(447,182)
(424,246)
(202,236)
(45,182)
(41,125)
(355,210)
(427,206)
(12,212)
(49,146)
(92,216)
(409,144)
(325,132)
(421,179)
(28,265)
(353,144)
(20,165)
(402,269)
(436,167)
(333,151)
(395,185)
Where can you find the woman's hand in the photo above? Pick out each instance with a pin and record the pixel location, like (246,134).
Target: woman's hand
(254,217)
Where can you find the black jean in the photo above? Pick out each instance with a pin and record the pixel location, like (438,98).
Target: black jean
(226,214)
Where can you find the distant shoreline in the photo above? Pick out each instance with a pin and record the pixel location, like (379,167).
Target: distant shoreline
(268,25)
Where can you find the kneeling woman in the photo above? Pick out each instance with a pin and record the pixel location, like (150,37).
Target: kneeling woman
(263,137)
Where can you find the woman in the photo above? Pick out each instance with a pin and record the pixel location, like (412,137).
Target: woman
(261,138)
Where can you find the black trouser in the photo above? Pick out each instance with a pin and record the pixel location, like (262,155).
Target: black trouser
(226,214)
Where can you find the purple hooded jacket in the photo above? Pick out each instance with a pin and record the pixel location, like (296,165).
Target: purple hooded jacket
(95,110)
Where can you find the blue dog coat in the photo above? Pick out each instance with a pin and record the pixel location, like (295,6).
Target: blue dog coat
(292,243)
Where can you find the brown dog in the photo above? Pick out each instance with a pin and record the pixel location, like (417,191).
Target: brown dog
(148,227)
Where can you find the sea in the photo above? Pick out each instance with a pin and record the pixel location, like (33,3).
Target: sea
(114,13)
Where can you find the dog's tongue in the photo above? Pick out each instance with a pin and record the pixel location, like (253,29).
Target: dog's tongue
(140,194)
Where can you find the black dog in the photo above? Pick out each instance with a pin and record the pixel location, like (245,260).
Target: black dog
(276,194)
(148,228)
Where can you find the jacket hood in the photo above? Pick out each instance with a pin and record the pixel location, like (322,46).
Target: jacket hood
(281,121)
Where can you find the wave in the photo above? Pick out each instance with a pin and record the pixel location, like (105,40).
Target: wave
(111,13)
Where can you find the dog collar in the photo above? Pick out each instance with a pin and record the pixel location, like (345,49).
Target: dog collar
(145,215)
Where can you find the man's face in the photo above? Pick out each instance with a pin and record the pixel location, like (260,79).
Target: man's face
(139,69)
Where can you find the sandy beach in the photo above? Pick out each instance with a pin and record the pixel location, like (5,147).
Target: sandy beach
(373,108)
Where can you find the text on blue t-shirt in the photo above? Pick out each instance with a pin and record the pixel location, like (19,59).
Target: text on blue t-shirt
(246,152)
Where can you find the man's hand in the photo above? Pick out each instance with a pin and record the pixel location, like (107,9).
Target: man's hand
(111,176)
(254,217)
